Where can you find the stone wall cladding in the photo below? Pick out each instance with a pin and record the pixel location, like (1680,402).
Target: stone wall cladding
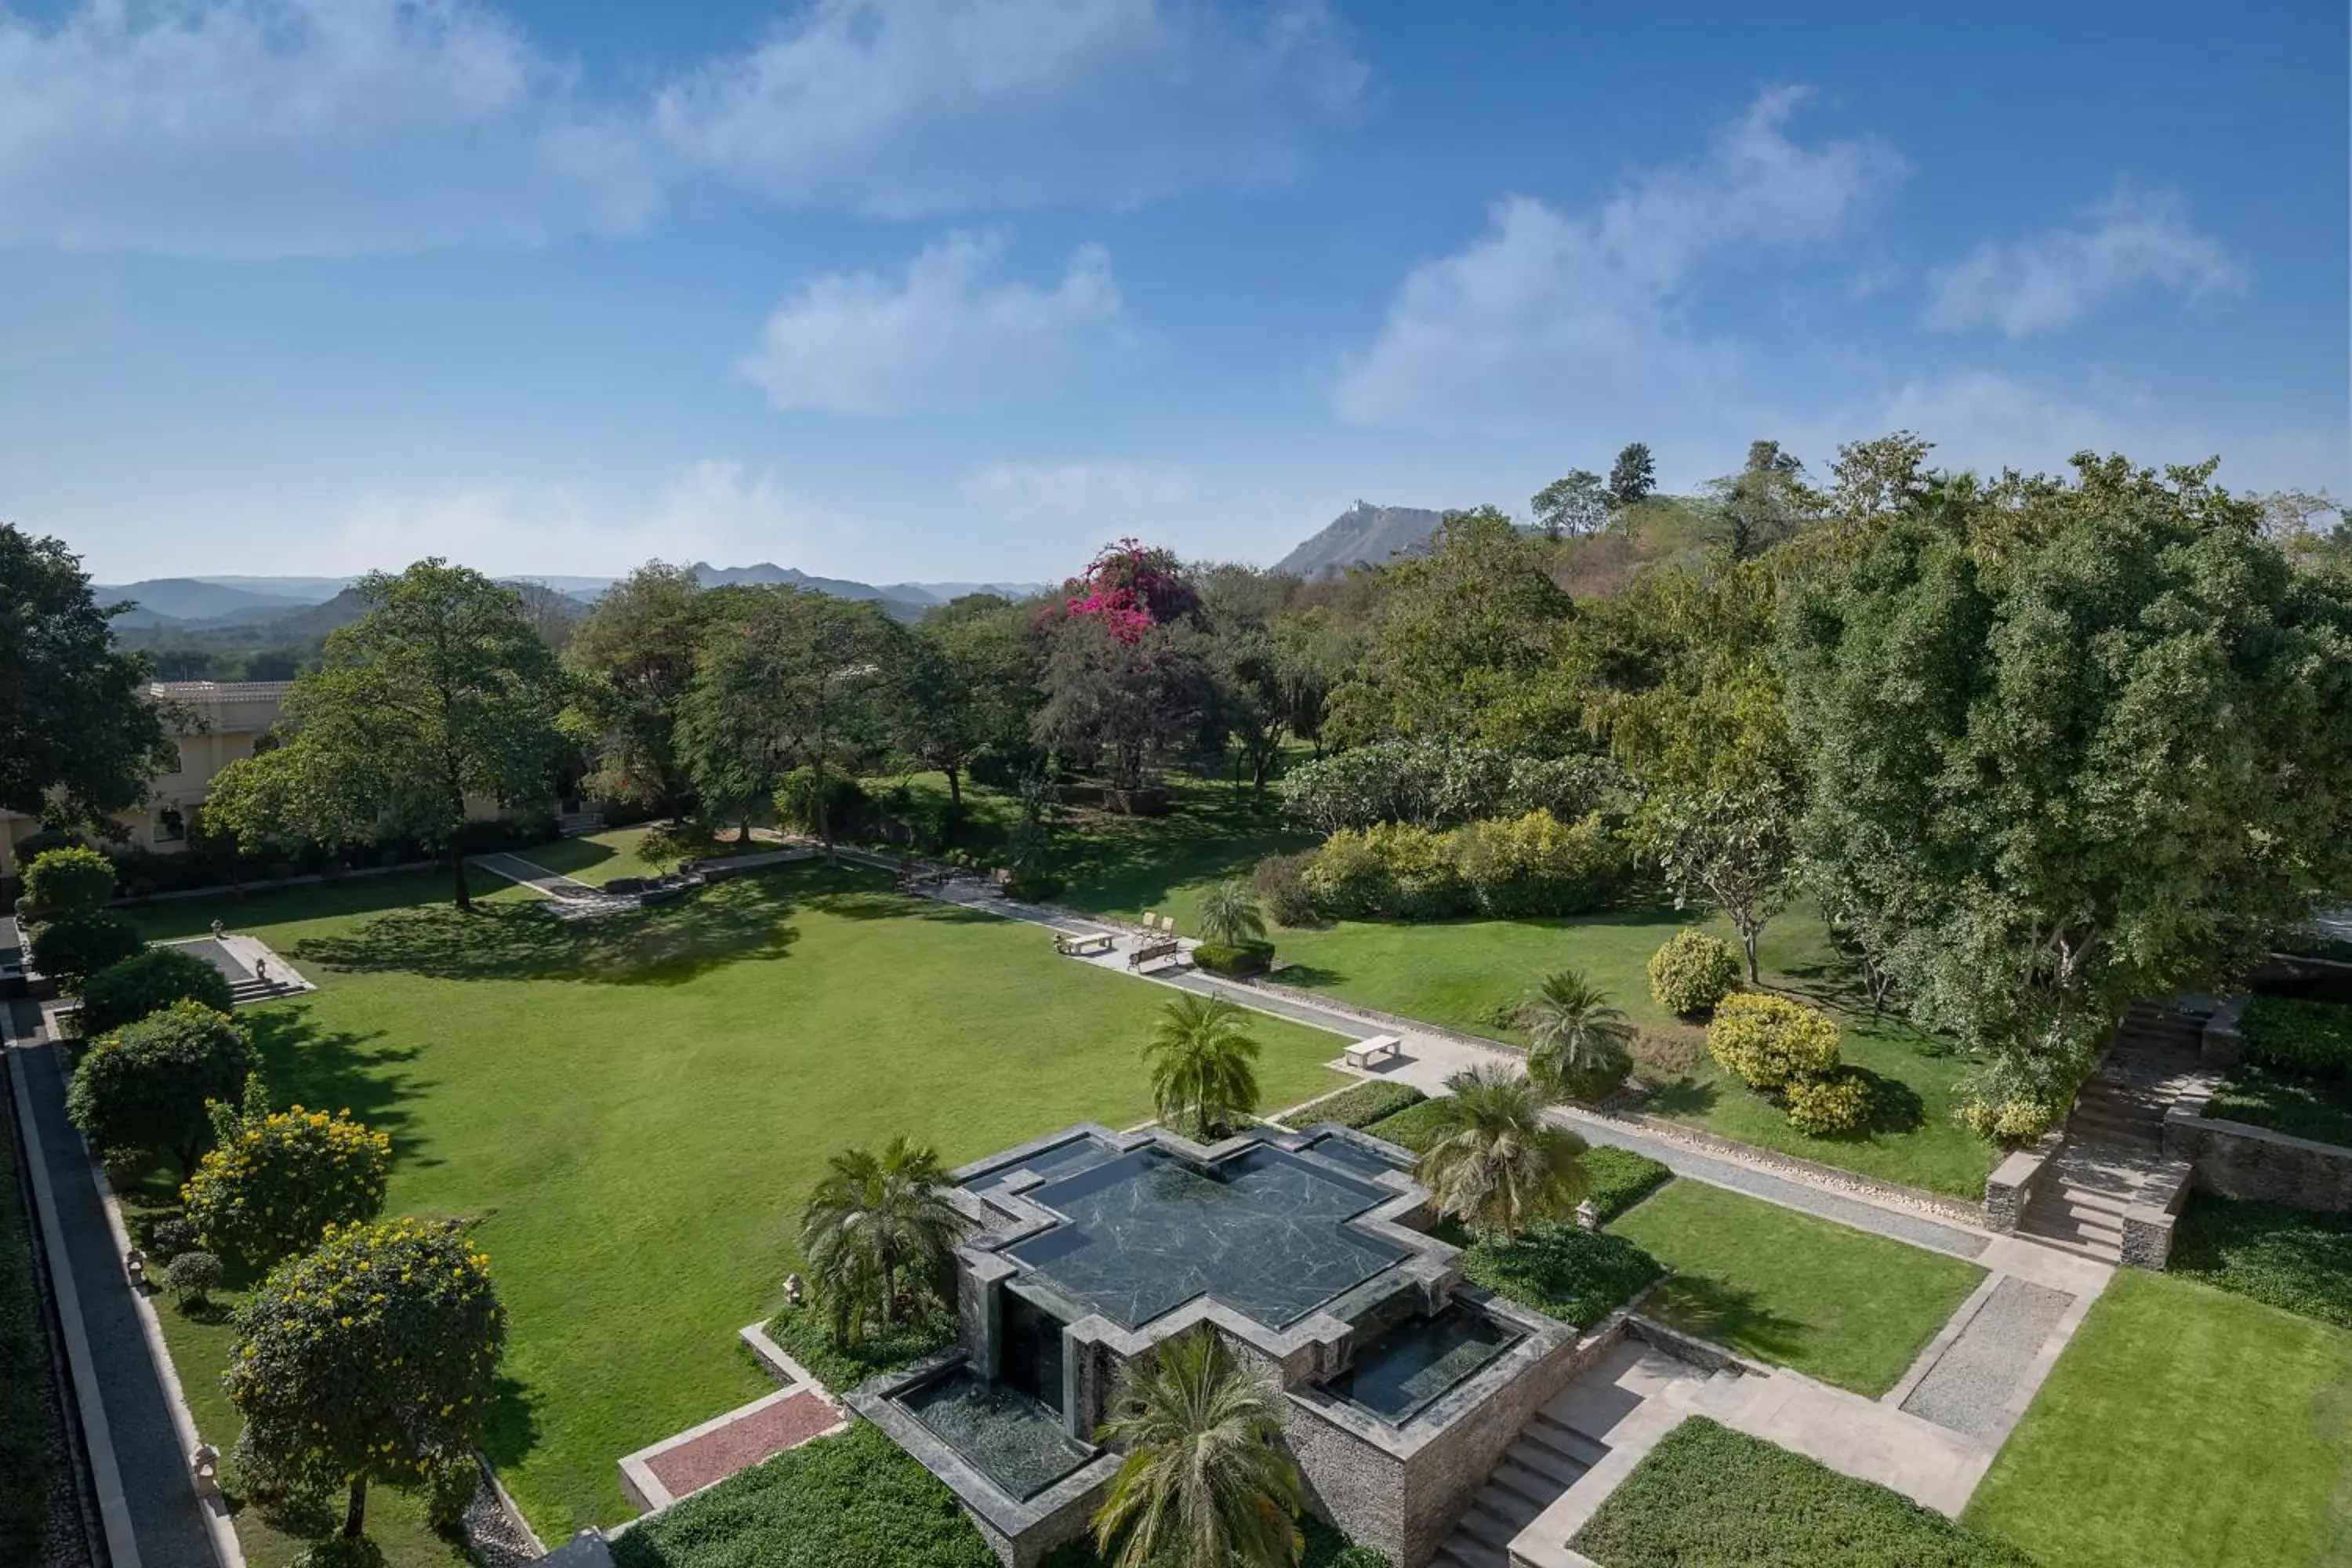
(2010,1188)
(2241,1161)
(2220,1045)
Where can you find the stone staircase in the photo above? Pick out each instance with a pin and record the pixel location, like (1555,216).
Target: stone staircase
(2114,1146)
(251,990)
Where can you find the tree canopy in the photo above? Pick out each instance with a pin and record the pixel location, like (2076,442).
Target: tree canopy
(144,1087)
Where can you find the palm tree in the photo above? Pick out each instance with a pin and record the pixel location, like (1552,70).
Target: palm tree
(1201,1057)
(874,1222)
(1499,1164)
(1577,1043)
(1230,914)
(1205,1483)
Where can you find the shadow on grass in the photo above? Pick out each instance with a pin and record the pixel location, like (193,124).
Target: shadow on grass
(1732,1315)
(512,1430)
(335,1070)
(665,945)
(1682,1097)
(1309,976)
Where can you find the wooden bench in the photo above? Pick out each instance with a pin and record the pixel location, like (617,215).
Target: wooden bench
(1153,952)
(1379,1048)
(1083,946)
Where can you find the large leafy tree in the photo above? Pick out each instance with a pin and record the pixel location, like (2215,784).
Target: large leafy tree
(1498,1165)
(877,1232)
(634,655)
(1203,1063)
(1766,501)
(789,680)
(1205,1482)
(144,1087)
(442,692)
(2070,741)
(1574,505)
(79,738)
(373,1356)
(966,684)
(1633,476)
(1127,677)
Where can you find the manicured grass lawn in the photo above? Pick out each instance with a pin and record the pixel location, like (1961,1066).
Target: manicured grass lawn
(1464,975)
(636,1106)
(2289,1258)
(1708,1494)
(2183,1428)
(1838,1304)
(598,857)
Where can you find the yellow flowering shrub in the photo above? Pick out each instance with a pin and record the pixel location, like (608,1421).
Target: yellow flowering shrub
(1770,1041)
(275,1182)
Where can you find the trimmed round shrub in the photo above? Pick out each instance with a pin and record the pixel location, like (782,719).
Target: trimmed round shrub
(1825,1106)
(147,982)
(1235,958)
(1535,864)
(1770,1041)
(279,1182)
(144,1087)
(1281,883)
(1691,971)
(193,1277)
(170,1237)
(70,880)
(69,951)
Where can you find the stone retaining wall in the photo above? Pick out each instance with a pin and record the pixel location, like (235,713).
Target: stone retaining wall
(2008,1190)
(1935,1205)
(2238,1160)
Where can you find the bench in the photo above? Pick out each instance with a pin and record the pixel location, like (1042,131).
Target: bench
(1083,946)
(1379,1048)
(1153,952)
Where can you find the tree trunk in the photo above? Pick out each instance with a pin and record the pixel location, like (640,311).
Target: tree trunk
(458,875)
(355,1514)
(889,1294)
(955,790)
(1749,933)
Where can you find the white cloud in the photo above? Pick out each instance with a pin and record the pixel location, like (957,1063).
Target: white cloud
(274,127)
(1550,307)
(2048,282)
(946,337)
(914,107)
(1115,495)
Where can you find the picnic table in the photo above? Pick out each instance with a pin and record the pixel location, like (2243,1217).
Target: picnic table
(1092,944)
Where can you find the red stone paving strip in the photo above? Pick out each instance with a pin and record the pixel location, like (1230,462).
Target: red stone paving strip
(740,1444)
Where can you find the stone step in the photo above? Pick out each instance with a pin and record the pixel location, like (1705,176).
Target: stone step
(1462,1551)
(1567,1439)
(1512,1507)
(1540,1486)
(2070,1241)
(1481,1524)
(1555,1467)
(2083,1198)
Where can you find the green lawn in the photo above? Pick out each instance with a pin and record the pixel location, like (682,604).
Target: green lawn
(1834,1303)
(636,1107)
(2183,1428)
(2289,1258)
(598,857)
(1708,1494)
(1467,975)
(2300,1104)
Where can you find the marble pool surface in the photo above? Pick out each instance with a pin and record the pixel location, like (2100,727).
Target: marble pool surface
(1405,1370)
(1265,1232)
(1015,1442)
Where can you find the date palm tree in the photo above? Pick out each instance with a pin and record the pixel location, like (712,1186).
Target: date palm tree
(875,1226)
(1203,1060)
(1578,1045)
(1498,1165)
(1230,914)
(1205,1483)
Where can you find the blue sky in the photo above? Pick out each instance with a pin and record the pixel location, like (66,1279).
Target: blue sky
(960,289)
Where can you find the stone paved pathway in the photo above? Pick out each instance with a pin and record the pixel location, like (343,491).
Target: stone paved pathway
(158,1504)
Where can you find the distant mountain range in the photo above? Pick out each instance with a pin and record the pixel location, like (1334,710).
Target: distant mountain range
(1364,533)
(296,609)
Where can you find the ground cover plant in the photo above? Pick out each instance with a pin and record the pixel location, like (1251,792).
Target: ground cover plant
(1560,1270)
(1471,974)
(2288,1257)
(1708,1494)
(1838,1304)
(803,1334)
(2294,1103)
(636,1108)
(853,1497)
(1367,1102)
(2183,1427)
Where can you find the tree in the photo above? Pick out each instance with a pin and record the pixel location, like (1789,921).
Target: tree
(273,1183)
(965,685)
(2071,743)
(634,661)
(879,1228)
(144,1087)
(1578,504)
(66,881)
(1765,501)
(71,950)
(1230,913)
(1578,1045)
(373,1356)
(1498,1165)
(1633,476)
(79,737)
(1205,1482)
(148,982)
(1127,673)
(440,693)
(789,678)
(1203,1063)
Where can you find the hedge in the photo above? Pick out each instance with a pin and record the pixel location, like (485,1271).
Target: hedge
(1359,1106)
(70,950)
(2287,1258)
(24,1371)
(1415,1127)
(1561,1270)
(1617,1179)
(1237,959)
(855,1500)
(1708,1494)
(1530,865)
(148,982)
(68,880)
(801,1333)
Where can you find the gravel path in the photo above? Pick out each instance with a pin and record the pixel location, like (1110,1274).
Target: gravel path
(1969,1386)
